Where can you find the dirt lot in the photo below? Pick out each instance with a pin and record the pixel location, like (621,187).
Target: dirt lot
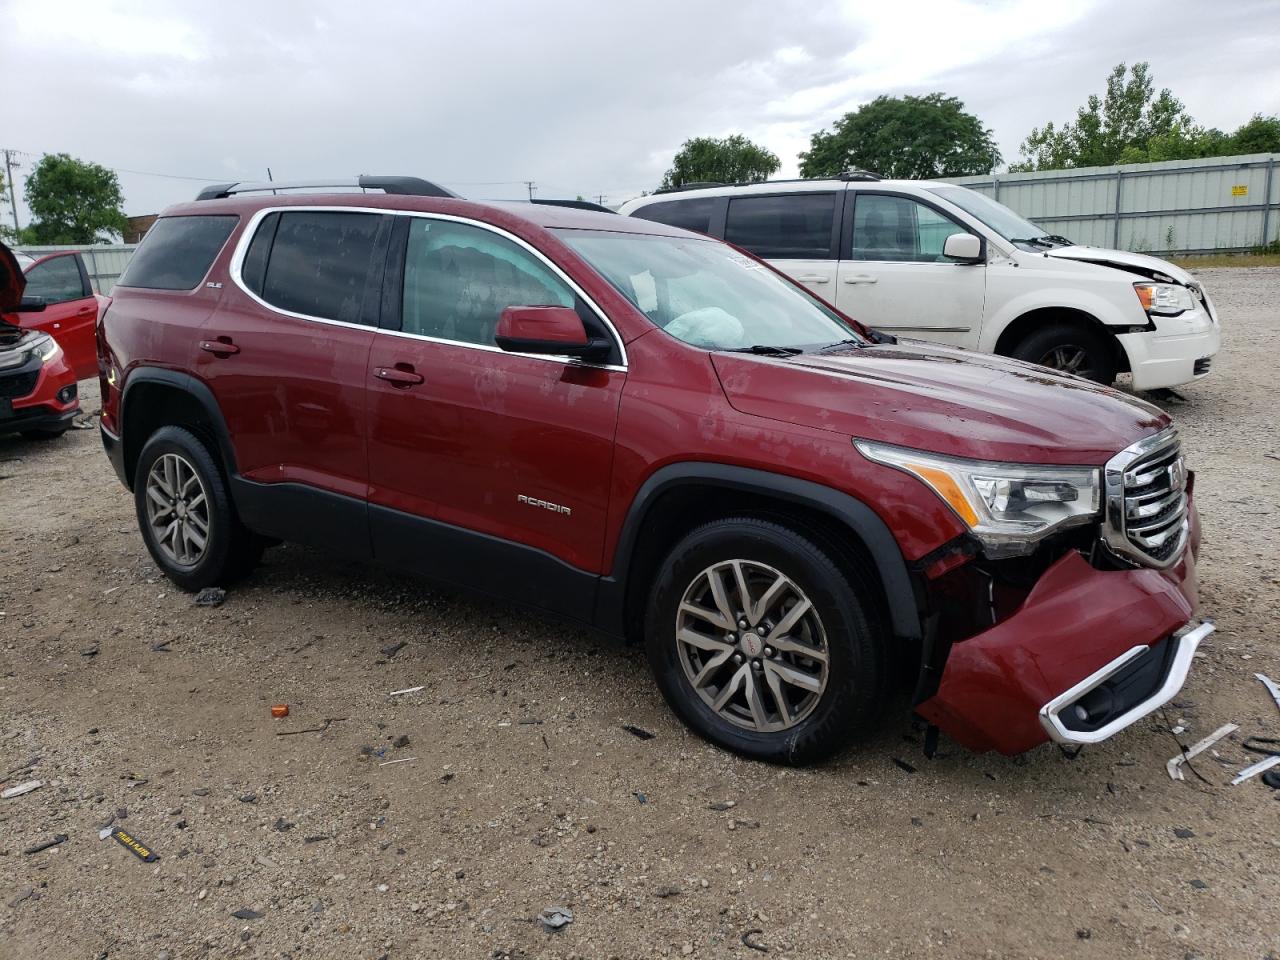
(526,790)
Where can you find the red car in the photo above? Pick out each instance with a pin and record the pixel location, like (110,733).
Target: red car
(37,385)
(650,432)
(71,310)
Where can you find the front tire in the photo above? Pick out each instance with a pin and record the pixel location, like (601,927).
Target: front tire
(1071,348)
(763,644)
(185,513)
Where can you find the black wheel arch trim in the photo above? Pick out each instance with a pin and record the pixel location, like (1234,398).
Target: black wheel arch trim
(904,609)
(188,384)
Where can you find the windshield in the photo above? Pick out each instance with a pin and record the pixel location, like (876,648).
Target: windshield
(998,217)
(708,294)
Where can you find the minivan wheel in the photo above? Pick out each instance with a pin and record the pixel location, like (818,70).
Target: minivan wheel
(1070,348)
(185,514)
(762,644)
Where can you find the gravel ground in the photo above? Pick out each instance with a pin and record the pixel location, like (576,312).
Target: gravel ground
(526,789)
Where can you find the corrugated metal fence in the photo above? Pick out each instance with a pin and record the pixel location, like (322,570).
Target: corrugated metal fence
(105,261)
(1182,206)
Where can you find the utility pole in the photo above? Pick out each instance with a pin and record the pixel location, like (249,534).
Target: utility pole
(530,184)
(600,199)
(13,200)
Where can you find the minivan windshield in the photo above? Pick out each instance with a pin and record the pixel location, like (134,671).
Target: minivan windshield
(999,218)
(709,295)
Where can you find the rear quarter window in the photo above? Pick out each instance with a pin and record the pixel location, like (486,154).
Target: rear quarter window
(695,213)
(177,252)
(319,263)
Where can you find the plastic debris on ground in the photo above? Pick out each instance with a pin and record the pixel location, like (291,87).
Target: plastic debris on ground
(21,788)
(1174,766)
(555,918)
(1252,771)
(397,693)
(52,842)
(211,597)
(280,710)
(1273,688)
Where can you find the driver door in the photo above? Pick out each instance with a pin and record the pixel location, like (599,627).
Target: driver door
(486,463)
(894,277)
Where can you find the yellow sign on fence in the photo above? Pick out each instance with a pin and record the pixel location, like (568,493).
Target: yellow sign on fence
(1240,190)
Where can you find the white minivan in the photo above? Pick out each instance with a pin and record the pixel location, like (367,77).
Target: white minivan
(936,261)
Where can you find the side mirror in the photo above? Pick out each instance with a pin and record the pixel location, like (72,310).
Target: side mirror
(31,305)
(963,246)
(557,331)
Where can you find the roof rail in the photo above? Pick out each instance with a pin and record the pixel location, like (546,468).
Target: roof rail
(694,185)
(575,204)
(847,176)
(404,186)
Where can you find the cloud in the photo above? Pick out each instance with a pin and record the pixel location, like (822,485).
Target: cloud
(580,97)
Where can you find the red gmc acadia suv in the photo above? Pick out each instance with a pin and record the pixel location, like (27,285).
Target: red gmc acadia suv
(653,433)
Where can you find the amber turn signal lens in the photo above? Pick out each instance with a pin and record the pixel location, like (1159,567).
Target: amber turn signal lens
(280,710)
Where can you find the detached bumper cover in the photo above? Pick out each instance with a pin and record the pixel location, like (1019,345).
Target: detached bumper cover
(1118,643)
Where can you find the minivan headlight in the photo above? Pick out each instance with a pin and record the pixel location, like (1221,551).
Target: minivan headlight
(1008,507)
(1164,299)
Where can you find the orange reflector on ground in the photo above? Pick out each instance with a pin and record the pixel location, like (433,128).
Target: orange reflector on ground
(280,710)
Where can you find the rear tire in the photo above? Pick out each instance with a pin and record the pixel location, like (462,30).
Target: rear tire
(746,681)
(1071,348)
(186,516)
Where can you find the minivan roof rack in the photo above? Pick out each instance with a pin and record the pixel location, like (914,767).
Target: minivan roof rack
(575,204)
(404,186)
(696,185)
(848,176)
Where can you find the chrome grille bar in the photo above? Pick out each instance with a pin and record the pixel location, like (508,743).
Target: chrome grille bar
(1146,502)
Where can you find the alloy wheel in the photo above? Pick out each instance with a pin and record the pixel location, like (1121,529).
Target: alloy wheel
(177,510)
(1069,358)
(752,645)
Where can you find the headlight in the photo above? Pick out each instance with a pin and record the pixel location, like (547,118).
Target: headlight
(1009,507)
(47,350)
(1164,299)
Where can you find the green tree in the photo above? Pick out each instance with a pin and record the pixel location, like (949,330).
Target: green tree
(1130,123)
(912,138)
(72,201)
(1260,135)
(733,159)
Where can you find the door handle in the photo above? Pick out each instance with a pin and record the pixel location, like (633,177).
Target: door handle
(401,375)
(221,347)
(860,278)
(813,278)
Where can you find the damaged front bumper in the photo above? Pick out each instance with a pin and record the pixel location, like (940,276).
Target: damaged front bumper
(1088,653)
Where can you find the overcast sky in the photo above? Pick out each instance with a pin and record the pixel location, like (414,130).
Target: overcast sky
(580,97)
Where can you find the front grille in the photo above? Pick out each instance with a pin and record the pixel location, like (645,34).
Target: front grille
(18,385)
(1201,366)
(1147,501)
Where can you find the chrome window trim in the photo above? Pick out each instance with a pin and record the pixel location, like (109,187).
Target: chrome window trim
(1115,525)
(251,228)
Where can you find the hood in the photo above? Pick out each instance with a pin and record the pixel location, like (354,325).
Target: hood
(945,401)
(1153,268)
(12,284)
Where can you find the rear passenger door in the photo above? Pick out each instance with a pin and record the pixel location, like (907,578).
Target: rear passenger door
(796,232)
(486,464)
(286,355)
(71,311)
(894,277)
